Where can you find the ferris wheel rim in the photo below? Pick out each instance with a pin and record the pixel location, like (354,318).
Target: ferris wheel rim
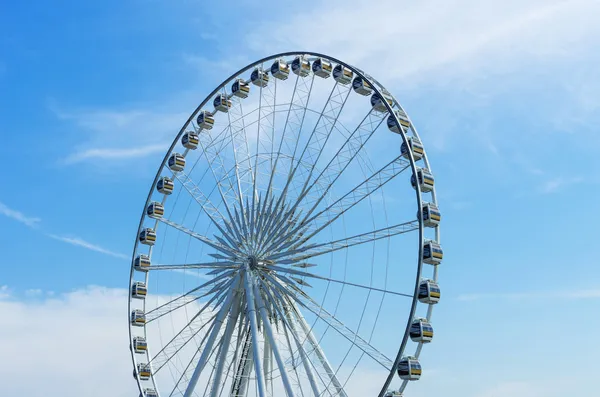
(379,89)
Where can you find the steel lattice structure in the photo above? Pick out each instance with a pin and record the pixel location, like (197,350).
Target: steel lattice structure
(305,261)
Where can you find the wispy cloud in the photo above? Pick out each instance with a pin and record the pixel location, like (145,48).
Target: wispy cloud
(519,296)
(115,153)
(123,134)
(5,292)
(87,245)
(18,216)
(556,184)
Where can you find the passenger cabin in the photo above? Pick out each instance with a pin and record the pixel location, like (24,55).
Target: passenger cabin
(147,236)
(342,74)
(138,290)
(205,120)
(426,180)
(280,69)
(222,103)
(415,146)
(190,140)
(409,368)
(259,78)
(431,215)
(404,122)
(432,253)
(138,318)
(143,371)
(139,345)
(429,292)
(361,86)
(301,66)
(165,185)
(155,210)
(378,102)
(176,162)
(421,331)
(322,67)
(149,393)
(141,263)
(240,88)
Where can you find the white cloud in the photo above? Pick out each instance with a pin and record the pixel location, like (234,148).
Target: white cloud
(115,153)
(112,134)
(413,39)
(519,296)
(5,292)
(71,345)
(87,245)
(19,216)
(554,185)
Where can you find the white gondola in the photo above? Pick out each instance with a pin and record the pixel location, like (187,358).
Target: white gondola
(205,120)
(416,147)
(342,74)
(155,210)
(222,103)
(190,140)
(280,69)
(147,236)
(322,67)
(429,292)
(143,371)
(259,78)
(431,215)
(240,88)
(404,122)
(141,263)
(165,185)
(176,162)
(426,180)
(409,368)
(392,393)
(149,393)
(301,66)
(139,290)
(361,86)
(379,104)
(421,331)
(140,345)
(138,318)
(432,253)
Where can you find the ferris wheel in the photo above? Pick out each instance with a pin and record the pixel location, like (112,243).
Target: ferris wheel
(289,245)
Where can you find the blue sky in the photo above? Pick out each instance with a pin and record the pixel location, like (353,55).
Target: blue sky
(506,101)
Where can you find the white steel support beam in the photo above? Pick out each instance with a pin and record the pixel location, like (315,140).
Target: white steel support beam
(211,339)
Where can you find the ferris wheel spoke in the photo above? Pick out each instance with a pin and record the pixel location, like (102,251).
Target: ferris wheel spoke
(229,328)
(285,296)
(191,296)
(311,275)
(207,265)
(184,336)
(272,342)
(332,321)
(345,203)
(209,209)
(283,312)
(320,133)
(213,335)
(314,250)
(293,123)
(231,252)
(344,156)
